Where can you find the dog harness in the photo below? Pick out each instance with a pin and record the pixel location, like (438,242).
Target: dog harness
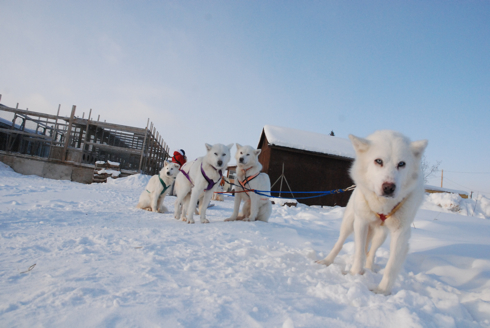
(165,187)
(383,217)
(187,176)
(211,183)
(246,181)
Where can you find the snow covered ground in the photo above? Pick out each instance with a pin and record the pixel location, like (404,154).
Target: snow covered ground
(100,262)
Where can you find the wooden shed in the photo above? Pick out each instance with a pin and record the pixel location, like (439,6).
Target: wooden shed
(311,161)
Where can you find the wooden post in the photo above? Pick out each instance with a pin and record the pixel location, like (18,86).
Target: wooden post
(55,132)
(68,133)
(442,176)
(82,146)
(143,146)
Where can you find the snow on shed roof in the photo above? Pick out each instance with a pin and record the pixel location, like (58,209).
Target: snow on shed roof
(309,141)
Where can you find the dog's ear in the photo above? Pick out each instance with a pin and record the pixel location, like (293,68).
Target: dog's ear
(360,144)
(230,146)
(208,147)
(418,147)
(165,164)
(257,152)
(238,146)
(177,166)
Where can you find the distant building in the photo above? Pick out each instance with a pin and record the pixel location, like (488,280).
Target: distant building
(312,162)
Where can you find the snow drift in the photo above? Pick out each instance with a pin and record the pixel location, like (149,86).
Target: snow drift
(102,262)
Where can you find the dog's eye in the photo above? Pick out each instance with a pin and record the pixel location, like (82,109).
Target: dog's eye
(401,164)
(216,154)
(223,155)
(379,162)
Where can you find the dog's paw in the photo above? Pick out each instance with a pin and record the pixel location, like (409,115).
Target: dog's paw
(380,291)
(324,262)
(147,209)
(190,221)
(354,271)
(229,219)
(204,221)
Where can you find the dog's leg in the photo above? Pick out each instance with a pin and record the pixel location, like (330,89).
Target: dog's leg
(177,208)
(254,208)
(265,211)
(346,228)
(162,208)
(154,200)
(236,207)
(204,205)
(185,205)
(245,209)
(379,237)
(191,206)
(398,253)
(361,228)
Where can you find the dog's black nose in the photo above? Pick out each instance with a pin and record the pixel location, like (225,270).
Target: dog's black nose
(220,163)
(388,188)
(241,159)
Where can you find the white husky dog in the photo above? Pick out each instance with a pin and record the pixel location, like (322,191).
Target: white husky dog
(248,175)
(152,197)
(198,180)
(389,191)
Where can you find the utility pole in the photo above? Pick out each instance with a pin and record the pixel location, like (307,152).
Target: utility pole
(442,176)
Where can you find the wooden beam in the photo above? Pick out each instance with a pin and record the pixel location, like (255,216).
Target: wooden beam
(114,148)
(30,113)
(143,147)
(113,126)
(8,131)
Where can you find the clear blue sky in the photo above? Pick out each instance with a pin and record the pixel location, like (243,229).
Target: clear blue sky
(218,71)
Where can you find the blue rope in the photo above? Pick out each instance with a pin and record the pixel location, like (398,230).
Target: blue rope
(319,193)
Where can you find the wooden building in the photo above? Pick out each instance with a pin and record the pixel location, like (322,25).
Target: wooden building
(67,147)
(311,162)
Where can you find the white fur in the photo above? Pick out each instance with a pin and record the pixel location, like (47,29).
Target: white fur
(153,200)
(255,207)
(371,197)
(216,158)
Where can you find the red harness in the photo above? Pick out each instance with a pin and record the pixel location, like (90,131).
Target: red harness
(383,217)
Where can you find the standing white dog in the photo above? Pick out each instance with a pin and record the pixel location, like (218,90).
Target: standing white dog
(198,180)
(255,207)
(152,197)
(389,191)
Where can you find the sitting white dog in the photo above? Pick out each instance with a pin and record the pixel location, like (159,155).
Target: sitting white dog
(389,191)
(248,175)
(198,180)
(151,199)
